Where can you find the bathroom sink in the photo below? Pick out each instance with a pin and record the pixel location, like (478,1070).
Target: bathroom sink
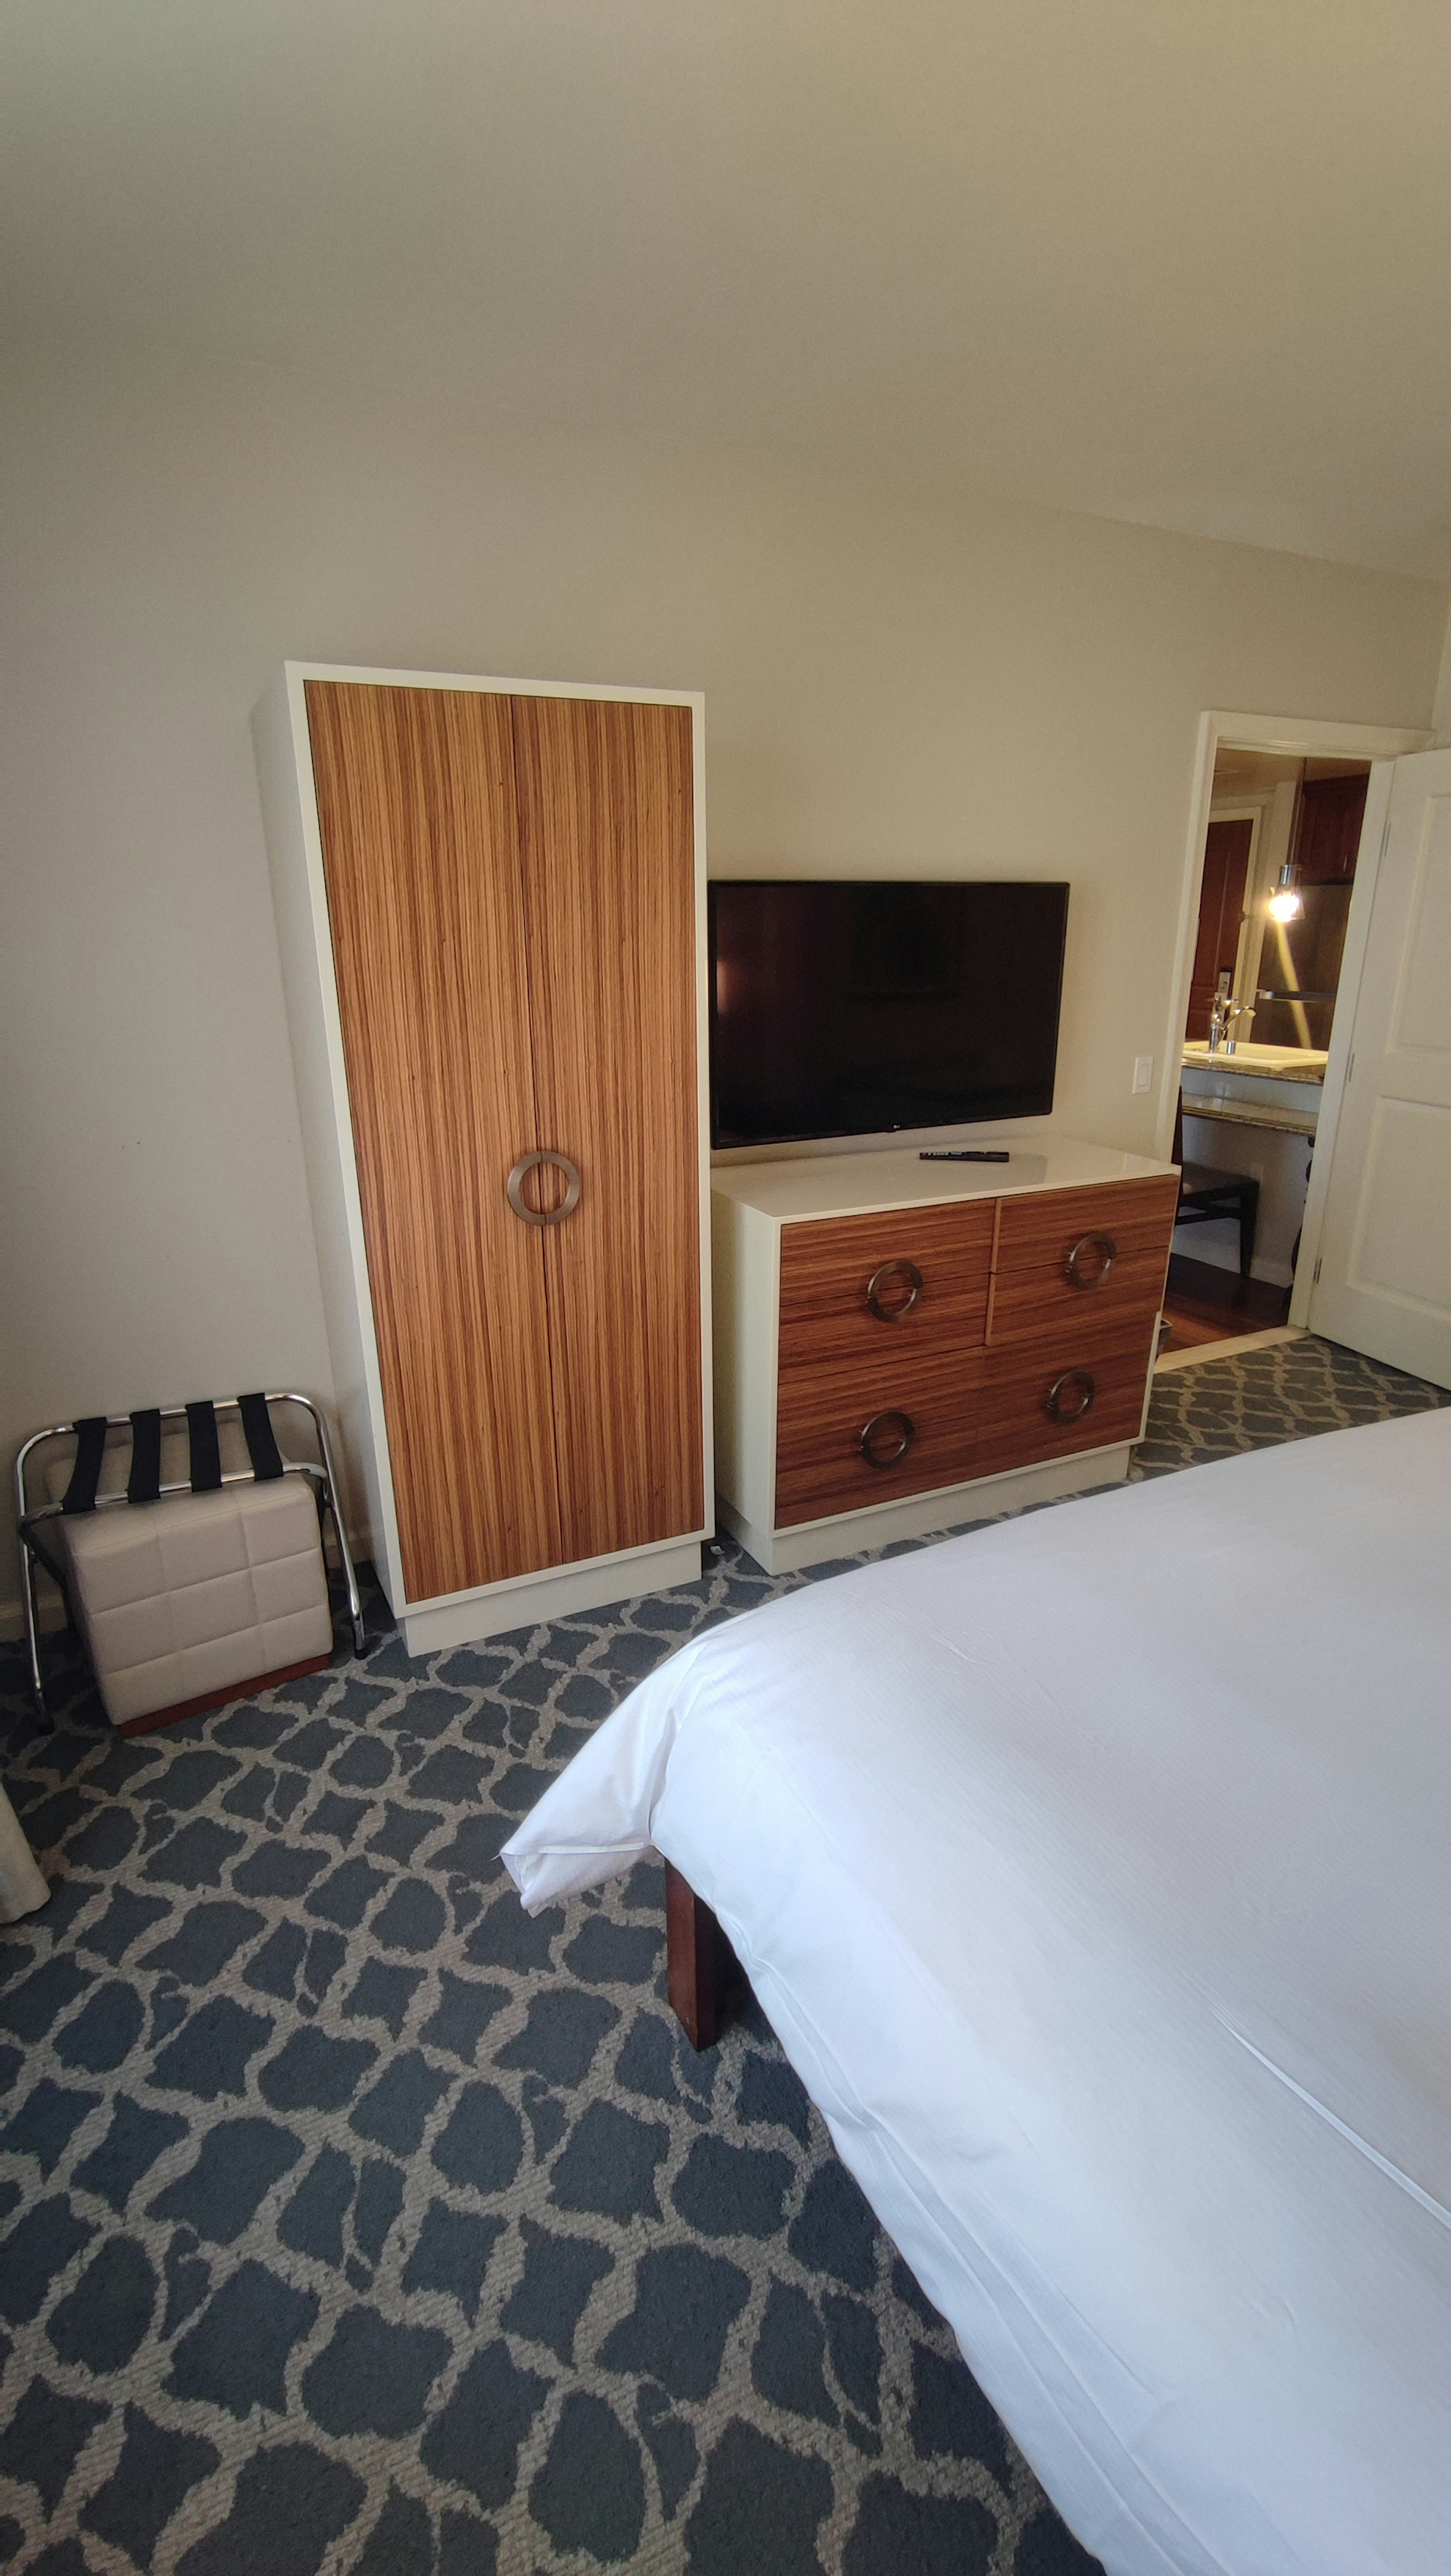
(1284,1064)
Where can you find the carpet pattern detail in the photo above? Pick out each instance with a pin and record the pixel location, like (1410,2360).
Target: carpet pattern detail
(354,2223)
(1213,1408)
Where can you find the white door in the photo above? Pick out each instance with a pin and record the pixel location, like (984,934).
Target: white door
(1383,1281)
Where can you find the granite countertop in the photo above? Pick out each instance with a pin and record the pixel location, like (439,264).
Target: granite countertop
(1252,1113)
(1258,1064)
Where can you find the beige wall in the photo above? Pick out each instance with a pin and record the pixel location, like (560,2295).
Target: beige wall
(896,678)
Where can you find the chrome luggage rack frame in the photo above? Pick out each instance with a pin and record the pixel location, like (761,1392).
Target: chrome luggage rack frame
(320,1472)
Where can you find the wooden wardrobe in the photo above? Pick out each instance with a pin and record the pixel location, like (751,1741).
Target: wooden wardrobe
(490,900)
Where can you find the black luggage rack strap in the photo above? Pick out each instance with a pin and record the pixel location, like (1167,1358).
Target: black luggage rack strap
(145,1485)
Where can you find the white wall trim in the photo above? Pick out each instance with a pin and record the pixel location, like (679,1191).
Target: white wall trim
(1229,1349)
(1315,737)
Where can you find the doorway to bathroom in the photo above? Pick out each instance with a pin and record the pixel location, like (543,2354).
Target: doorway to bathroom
(1275,850)
(1279,872)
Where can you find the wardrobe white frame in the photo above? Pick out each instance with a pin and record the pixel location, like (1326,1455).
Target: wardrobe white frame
(294,841)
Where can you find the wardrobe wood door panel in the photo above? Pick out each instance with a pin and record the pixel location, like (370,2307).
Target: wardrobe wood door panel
(607,839)
(416,801)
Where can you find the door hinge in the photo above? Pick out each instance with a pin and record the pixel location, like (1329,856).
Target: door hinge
(1350,1070)
(1315,1276)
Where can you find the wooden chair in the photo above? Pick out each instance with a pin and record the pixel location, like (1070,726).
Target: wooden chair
(1207,1194)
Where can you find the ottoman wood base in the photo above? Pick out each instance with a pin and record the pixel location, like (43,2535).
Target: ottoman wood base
(219,1698)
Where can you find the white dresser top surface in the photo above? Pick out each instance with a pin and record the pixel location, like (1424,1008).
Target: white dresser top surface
(826,1185)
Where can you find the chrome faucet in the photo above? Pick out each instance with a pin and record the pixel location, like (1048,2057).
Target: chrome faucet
(1224,1018)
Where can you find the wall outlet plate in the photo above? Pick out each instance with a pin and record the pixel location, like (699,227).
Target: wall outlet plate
(1143,1072)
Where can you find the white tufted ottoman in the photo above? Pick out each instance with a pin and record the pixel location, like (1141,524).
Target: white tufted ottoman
(185,1601)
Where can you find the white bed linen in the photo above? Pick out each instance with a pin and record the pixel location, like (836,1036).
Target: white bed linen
(1093,1870)
(22,1889)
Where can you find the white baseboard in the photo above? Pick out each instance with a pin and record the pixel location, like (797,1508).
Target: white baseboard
(551,1594)
(925,1515)
(1229,1348)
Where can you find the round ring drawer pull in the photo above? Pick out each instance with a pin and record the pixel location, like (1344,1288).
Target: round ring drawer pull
(1077,1273)
(883,1428)
(528,1163)
(886,1277)
(1070,1396)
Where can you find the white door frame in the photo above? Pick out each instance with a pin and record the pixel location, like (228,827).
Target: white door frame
(1295,738)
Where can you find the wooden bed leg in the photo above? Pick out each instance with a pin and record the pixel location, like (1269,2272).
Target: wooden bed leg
(698,1956)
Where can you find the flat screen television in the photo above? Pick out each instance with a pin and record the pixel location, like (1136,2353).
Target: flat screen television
(843,1007)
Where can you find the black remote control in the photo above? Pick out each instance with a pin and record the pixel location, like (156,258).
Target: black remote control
(963,1154)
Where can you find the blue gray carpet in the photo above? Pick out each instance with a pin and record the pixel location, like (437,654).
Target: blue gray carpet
(354,2223)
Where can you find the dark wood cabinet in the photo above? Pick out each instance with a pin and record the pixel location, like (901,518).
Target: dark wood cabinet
(1331,813)
(1221,911)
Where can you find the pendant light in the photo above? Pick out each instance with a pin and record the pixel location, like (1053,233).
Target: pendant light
(1286,903)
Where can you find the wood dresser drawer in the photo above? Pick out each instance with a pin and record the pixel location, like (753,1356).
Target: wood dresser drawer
(968,1344)
(831,1272)
(1066,1255)
(1076,1384)
(822,1413)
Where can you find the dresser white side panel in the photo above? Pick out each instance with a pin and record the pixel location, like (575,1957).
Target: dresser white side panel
(745,1263)
(294,844)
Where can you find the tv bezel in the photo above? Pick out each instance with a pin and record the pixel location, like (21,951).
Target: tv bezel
(924,1127)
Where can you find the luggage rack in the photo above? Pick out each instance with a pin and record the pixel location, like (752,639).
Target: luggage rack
(29,1521)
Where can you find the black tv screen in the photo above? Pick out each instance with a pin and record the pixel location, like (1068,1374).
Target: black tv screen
(847,1008)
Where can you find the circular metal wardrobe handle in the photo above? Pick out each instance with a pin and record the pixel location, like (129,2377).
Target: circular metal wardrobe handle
(880,1425)
(883,1277)
(528,1163)
(1073,1381)
(1107,1251)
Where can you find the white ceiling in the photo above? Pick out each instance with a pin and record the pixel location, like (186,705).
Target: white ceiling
(1184,262)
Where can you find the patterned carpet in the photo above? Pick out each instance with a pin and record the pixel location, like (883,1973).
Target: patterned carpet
(355,2223)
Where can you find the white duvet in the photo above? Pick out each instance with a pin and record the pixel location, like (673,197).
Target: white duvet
(1095,1873)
